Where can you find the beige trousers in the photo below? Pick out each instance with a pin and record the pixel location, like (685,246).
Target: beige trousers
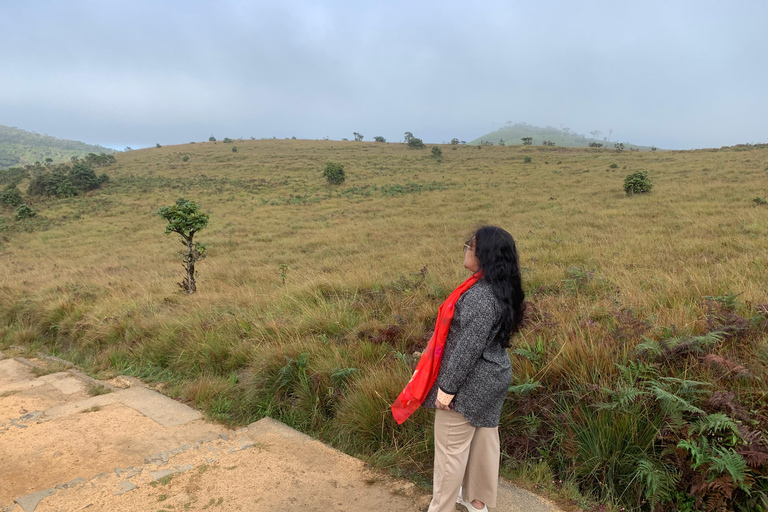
(465,456)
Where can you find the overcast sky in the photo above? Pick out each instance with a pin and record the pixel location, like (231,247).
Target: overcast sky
(675,74)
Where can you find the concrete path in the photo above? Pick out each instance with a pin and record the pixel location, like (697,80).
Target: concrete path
(64,447)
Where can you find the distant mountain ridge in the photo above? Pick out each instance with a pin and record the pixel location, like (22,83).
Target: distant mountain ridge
(512,135)
(20,147)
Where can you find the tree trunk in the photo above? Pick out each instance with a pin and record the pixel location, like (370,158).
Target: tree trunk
(190,279)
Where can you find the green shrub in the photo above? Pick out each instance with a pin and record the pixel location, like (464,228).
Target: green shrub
(760,200)
(13,176)
(437,151)
(84,178)
(211,139)
(64,181)
(527,141)
(11,196)
(527,160)
(416,143)
(185,158)
(637,183)
(25,212)
(454,141)
(158,145)
(334,173)
(613,166)
(227,140)
(379,138)
(234,149)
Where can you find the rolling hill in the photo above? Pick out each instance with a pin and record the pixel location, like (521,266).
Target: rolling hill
(512,135)
(20,147)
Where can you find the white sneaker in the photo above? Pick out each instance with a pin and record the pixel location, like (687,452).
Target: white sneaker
(468,504)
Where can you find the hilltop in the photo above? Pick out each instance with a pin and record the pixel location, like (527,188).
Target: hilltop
(20,147)
(511,135)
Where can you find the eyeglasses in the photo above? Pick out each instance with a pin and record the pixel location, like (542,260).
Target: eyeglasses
(468,246)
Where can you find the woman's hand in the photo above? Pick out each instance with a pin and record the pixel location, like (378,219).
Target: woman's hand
(442,406)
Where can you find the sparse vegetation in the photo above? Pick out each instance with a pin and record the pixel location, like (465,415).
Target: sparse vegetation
(379,138)
(635,321)
(437,152)
(527,159)
(527,141)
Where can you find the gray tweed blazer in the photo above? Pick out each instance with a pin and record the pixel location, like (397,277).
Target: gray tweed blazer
(475,367)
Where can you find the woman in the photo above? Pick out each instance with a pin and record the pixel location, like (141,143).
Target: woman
(475,373)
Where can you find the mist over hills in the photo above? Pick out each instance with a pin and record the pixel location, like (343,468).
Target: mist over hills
(513,133)
(20,147)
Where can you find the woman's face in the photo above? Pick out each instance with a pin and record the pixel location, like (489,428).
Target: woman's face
(471,262)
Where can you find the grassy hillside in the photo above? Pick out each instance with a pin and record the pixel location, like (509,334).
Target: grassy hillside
(642,371)
(512,135)
(20,147)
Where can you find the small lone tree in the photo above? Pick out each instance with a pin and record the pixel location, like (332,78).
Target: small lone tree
(454,141)
(358,136)
(334,173)
(437,152)
(379,138)
(211,139)
(186,219)
(527,141)
(637,183)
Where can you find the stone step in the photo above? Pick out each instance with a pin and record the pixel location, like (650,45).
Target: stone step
(266,464)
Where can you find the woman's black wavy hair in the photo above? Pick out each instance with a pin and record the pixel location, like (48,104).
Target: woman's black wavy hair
(495,250)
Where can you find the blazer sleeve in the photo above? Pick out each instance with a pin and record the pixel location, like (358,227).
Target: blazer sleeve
(476,318)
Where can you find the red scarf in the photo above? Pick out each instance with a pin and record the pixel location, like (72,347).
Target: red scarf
(429,365)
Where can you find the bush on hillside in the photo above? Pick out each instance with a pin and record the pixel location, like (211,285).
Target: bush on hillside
(416,143)
(334,173)
(100,160)
(65,181)
(13,176)
(379,138)
(227,140)
(11,196)
(527,141)
(437,151)
(25,212)
(527,160)
(637,183)
(454,141)
(211,139)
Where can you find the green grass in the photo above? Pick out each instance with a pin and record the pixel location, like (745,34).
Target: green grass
(327,346)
